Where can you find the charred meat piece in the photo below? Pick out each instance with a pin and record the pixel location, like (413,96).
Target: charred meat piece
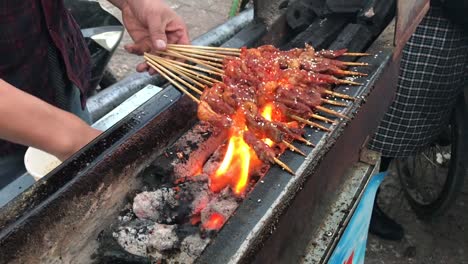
(263,151)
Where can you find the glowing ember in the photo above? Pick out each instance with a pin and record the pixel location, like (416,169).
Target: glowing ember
(215,222)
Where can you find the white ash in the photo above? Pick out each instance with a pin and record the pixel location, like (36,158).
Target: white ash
(224,205)
(154,205)
(194,245)
(134,237)
(200,202)
(163,238)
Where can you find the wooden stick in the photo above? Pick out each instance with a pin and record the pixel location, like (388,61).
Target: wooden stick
(193,74)
(284,166)
(199,52)
(310,123)
(203,47)
(174,82)
(192,67)
(293,148)
(340,81)
(198,56)
(305,141)
(355,63)
(185,75)
(356,54)
(340,95)
(321,118)
(351,73)
(331,102)
(331,112)
(180,56)
(193,88)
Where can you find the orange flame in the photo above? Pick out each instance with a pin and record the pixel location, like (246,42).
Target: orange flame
(215,222)
(239,158)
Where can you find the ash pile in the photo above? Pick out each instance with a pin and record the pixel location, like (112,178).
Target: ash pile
(179,209)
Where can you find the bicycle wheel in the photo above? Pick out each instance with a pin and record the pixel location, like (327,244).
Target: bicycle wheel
(432,179)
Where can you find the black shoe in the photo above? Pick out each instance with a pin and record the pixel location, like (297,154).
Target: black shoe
(383,226)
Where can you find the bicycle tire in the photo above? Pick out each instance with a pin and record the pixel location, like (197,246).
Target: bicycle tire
(456,173)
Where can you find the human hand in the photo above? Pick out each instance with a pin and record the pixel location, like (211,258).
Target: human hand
(81,135)
(152,24)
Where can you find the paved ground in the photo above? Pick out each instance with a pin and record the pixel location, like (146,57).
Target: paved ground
(444,240)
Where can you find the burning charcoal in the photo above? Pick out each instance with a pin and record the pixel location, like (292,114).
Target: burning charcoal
(216,213)
(157,206)
(163,238)
(194,245)
(134,236)
(188,154)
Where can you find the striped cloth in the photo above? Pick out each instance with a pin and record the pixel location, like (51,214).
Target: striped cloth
(433,72)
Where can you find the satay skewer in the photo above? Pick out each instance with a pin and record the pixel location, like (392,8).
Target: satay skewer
(321,118)
(331,102)
(331,112)
(187,76)
(339,95)
(349,63)
(214,69)
(176,84)
(293,148)
(310,123)
(237,50)
(284,166)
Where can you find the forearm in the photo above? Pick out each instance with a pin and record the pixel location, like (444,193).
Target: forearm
(27,120)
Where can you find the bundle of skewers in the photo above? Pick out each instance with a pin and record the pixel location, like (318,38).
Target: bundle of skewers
(233,87)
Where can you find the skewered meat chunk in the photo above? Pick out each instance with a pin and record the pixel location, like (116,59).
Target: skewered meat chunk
(263,151)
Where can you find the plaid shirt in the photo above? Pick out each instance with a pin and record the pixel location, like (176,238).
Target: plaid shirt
(28,28)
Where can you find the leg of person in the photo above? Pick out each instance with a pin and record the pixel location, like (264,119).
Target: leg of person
(432,74)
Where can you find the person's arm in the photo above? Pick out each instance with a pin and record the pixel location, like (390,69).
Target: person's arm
(151,24)
(27,120)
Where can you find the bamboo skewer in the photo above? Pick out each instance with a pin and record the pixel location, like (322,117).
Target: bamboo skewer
(184,75)
(331,112)
(340,95)
(203,47)
(173,82)
(203,57)
(193,74)
(352,73)
(215,70)
(237,50)
(321,118)
(331,102)
(356,54)
(355,63)
(182,64)
(193,88)
(293,148)
(310,123)
(200,52)
(284,166)
(341,81)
